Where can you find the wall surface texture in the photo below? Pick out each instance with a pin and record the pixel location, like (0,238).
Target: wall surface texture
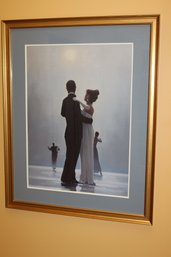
(31,234)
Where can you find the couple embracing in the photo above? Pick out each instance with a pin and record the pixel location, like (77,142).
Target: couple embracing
(79,136)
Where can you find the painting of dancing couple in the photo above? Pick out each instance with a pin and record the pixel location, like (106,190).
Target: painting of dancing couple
(79,136)
(79,104)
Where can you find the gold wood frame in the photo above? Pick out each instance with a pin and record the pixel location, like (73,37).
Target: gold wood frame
(7,27)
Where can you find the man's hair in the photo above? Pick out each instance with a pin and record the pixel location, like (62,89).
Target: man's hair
(71,86)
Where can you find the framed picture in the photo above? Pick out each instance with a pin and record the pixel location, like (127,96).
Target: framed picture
(79,115)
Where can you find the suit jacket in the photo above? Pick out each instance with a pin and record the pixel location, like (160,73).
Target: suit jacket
(72,113)
(74,119)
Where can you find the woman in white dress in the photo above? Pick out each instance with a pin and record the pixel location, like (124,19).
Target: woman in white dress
(86,151)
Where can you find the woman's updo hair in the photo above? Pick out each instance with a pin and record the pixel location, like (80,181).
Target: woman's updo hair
(93,95)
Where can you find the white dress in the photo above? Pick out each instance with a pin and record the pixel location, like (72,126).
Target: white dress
(86,153)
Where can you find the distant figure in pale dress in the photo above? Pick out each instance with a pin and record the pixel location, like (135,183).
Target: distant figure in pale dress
(97,166)
(87,151)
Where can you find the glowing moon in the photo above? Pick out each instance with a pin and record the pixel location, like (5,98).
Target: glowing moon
(70,54)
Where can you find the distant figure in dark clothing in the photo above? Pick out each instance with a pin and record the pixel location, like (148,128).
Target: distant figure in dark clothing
(97,166)
(73,134)
(54,149)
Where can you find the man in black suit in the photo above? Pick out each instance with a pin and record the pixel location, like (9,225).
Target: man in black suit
(73,133)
